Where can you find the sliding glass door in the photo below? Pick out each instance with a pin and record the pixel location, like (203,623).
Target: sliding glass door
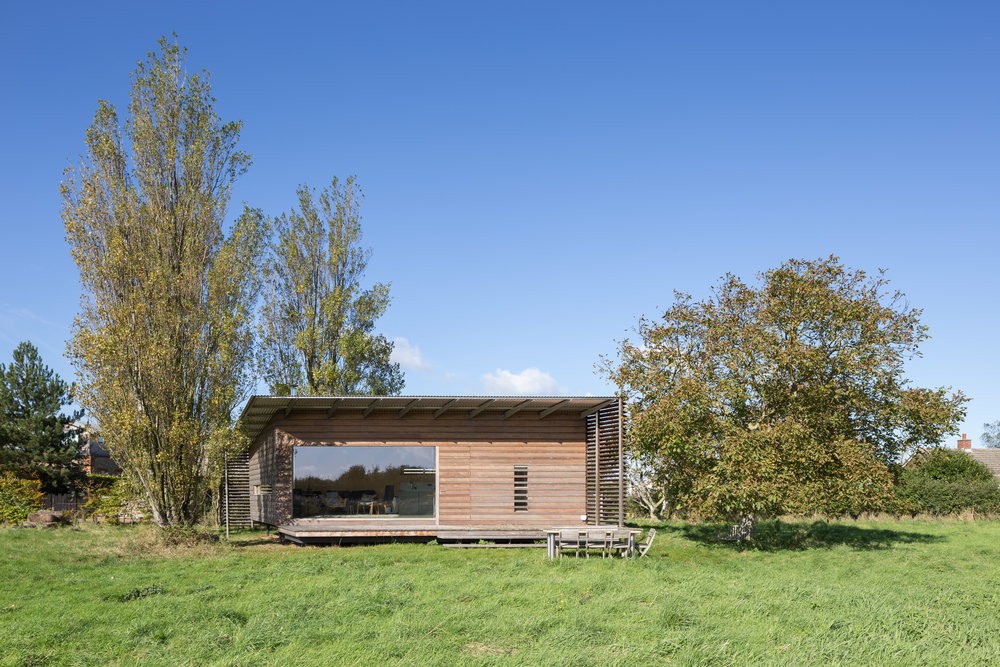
(355,482)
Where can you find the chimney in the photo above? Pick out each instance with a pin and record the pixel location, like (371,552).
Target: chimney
(964,442)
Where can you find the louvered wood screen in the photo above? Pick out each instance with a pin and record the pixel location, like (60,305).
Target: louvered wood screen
(605,490)
(239,492)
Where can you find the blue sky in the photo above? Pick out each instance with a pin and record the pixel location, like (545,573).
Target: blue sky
(538,175)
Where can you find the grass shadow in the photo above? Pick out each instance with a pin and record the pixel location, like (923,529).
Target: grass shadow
(256,542)
(781,536)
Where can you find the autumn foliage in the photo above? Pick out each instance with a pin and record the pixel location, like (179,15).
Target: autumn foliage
(784,396)
(163,343)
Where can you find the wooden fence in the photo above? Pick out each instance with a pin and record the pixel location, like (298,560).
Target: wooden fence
(64,502)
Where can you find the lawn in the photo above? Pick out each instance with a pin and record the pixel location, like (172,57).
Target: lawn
(906,592)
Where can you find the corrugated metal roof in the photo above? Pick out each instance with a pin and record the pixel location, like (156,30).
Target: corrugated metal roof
(260,410)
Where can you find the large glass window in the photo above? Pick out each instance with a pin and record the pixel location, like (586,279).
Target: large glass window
(359,481)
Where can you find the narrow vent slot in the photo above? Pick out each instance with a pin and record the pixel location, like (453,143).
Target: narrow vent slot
(520,488)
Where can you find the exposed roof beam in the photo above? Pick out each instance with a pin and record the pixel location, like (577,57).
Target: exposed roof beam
(482,406)
(368,410)
(592,410)
(517,408)
(548,411)
(408,406)
(440,411)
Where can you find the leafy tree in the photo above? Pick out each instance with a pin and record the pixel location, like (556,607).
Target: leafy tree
(991,434)
(784,397)
(317,323)
(163,342)
(34,440)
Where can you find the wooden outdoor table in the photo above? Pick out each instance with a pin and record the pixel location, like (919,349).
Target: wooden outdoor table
(594,534)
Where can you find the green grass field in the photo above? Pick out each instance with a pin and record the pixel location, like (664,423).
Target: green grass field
(903,593)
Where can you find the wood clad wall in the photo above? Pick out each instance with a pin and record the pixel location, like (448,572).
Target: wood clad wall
(476,459)
(556,483)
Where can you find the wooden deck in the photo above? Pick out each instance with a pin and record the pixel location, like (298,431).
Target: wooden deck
(370,531)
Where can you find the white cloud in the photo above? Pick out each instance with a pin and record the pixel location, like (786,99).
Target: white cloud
(408,355)
(530,381)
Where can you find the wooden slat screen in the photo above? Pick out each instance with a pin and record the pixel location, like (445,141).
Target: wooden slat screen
(604,471)
(239,492)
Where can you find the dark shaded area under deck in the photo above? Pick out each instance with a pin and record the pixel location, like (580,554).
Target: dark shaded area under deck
(373,531)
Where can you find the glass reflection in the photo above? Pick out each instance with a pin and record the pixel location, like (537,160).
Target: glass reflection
(356,481)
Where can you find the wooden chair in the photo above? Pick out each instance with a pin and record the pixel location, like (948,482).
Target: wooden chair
(623,545)
(608,542)
(575,540)
(388,499)
(334,502)
(642,549)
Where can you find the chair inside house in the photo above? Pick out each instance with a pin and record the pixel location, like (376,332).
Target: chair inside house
(335,503)
(367,502)
(389,499)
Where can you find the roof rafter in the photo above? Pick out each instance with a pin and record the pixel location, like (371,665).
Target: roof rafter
(517,408)
(408,407)
(482,406)
(592,410)
(548,411)
(440,411)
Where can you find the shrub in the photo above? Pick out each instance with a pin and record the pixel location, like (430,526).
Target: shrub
(114,499)
(947,481)
(99,480)
(18,498)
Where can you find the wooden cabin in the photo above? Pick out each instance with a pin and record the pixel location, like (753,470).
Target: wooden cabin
(365,468)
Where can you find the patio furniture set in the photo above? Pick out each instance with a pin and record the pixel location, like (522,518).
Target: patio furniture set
(606,541)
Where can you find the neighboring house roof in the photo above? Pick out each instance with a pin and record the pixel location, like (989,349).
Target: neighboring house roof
(93,451)
(988,457)
(260,410)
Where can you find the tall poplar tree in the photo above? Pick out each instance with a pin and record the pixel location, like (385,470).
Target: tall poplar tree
(317,323)
(163,342)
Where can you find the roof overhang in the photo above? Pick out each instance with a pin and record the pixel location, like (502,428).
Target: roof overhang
(260,410)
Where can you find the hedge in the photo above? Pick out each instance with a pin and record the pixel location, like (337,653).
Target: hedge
(948,481)
(19,498)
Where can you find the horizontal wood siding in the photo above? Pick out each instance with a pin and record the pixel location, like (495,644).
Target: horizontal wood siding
(556,483)
(476,459)
(454,499)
